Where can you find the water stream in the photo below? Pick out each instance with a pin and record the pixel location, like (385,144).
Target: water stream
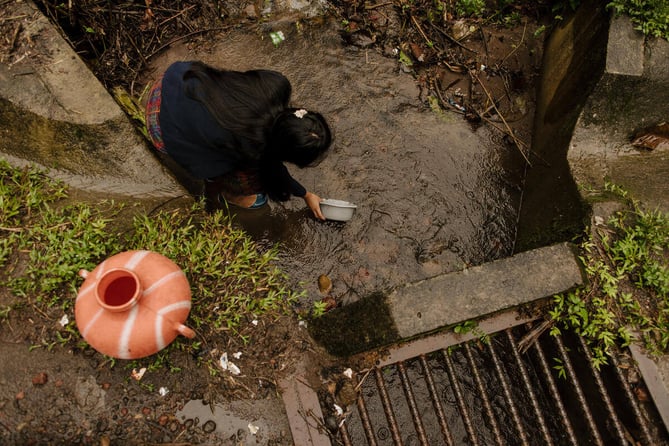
(434,194)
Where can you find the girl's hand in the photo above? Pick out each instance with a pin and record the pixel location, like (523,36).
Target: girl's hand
(314,203)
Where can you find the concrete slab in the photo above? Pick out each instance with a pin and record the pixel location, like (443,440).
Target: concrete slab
(55,114)
(625,48)
(655,372)
(303,409)
(421,307)
(656,66)
(452,298)
(44,83)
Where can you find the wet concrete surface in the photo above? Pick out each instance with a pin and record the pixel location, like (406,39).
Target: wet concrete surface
(434,194)
(426,306)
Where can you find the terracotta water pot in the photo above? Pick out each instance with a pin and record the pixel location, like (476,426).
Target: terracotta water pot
(133,304)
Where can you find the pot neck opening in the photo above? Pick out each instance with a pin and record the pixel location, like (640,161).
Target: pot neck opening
(118,290)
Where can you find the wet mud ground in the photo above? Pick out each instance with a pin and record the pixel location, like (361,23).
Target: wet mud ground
(435,193)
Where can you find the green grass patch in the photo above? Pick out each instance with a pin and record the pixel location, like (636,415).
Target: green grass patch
(47,239)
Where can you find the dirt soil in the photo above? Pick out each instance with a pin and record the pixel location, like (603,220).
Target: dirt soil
(77,396)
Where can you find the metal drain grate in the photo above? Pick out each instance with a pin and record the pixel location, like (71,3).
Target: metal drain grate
(442,391)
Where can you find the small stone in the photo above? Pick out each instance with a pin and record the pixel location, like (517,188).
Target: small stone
(251,11)
(20,395)
(40,379)
(324,284)
(209,427)
(460,29)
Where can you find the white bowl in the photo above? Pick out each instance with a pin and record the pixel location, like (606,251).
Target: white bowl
(337,210)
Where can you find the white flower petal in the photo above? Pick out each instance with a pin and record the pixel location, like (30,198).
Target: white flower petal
(234,369)
(223,361)
(138,374)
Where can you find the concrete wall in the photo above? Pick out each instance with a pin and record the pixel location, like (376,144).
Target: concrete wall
(632,94)
(574,59)
(601,82)
(55,114)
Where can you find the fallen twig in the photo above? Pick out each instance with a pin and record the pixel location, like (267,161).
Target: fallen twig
(496,127)
(297,378)
(320,426)
(357,388)
(185,36)
(11,229)
(510,132)
(420,30)
(533,335)
(515,47)
(139,51)
(485,45)
(378,5)
(16,17)
(44,315)
(183,11)
(452,39)
(444,102)
(15,36)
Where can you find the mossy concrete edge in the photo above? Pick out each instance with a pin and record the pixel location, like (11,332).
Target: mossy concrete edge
(68,123)
(428,305)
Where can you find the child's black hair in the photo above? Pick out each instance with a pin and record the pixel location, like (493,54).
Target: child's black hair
(254,106)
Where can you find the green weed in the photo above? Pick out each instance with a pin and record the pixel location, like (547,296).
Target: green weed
(469,8)
(231,280)
(48,241)
(472,327)
(651,17)
(559,367)
(627,293)
(319,309)
(58,243)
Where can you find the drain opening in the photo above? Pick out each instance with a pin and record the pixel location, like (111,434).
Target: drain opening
(497,393)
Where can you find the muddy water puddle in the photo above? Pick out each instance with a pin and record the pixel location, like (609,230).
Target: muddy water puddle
(434,194)
(241,421)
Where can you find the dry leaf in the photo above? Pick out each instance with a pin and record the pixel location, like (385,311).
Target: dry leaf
(652,138)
